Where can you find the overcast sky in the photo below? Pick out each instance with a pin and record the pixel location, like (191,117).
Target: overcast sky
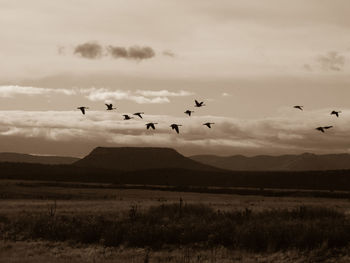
(250,61)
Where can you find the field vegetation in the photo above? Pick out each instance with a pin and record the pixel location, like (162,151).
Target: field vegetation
(137,225)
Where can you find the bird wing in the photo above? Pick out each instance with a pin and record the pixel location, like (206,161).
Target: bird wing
(152,125)
(82,110)
(337,114)
(320,129)
(176,129)
(327,127)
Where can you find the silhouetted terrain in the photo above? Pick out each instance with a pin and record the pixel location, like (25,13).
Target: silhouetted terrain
(303,162)
(328,180)
(139,158)
(164,166)
(28,158)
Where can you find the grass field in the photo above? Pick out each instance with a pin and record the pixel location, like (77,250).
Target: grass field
(32,214)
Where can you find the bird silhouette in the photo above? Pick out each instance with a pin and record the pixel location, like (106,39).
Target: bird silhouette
(175,127)
(298,107)
(139,114)
(336,113)
(151,125)
(110,106)
(127,117)
(208,124)
(189,112)
(83,108)
(199,104)
(323,128)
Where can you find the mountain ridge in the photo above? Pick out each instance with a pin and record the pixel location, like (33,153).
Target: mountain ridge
(301,162)
(139,158)
(14,157)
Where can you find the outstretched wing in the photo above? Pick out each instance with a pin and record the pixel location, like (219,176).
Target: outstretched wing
(327,127)
(82,110)
(176,129)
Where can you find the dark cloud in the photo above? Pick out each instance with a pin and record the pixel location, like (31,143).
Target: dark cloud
(89,50)
(134,52)
(331,61)
(117,52)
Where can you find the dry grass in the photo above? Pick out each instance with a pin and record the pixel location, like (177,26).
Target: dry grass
(34,197)
(116,202)
(58,252)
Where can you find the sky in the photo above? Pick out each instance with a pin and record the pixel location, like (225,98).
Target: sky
(249,61)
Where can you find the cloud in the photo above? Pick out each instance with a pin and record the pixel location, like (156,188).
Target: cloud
(168,53)
(89,50)
(102,94)
(331,61)
(164,93)
(287,134)
(139,96)
(96,94)
(134,52)
(10,91)
(92,50)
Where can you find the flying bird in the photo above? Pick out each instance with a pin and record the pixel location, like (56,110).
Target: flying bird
(199,104)
(138,114)
(110,106)
(175,127)
(298,107)
(151,125)
(82,108)
(127,117)
(189,112)
(208,124)
(323,128)
(336,113)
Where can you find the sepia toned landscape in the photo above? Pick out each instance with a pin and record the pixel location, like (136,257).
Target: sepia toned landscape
(174,131)
(99,215)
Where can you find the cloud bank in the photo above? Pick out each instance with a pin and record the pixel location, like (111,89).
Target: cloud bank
(288,134)
(10,91)
(91,50)
(96,94)
(332,61)
(134,52)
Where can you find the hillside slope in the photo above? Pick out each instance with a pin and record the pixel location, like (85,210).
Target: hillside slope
(139,158)
(302,162)
(28,158)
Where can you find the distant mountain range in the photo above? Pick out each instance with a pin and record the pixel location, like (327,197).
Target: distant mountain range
(140,158)
(28,158)
(302,162)
(165,166)
(145,158)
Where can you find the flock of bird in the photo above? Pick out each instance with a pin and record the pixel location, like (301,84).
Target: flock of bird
(198,104)
(149,125)
(321,128)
